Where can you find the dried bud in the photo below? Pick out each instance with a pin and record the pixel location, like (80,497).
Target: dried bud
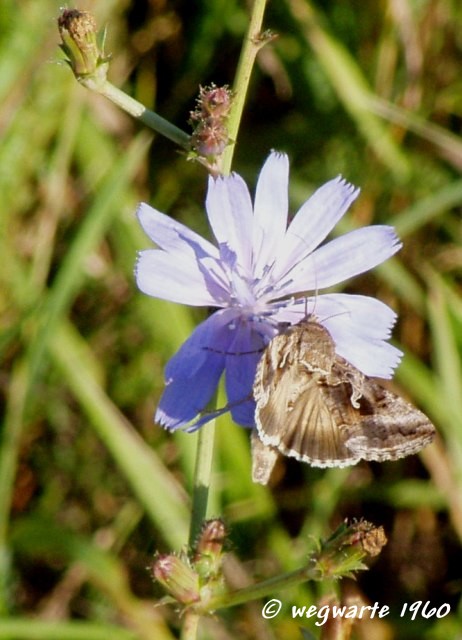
(369,537)
(209,138)
(79,42)
(209,119)
(177,577)
(209,548)
(344,551)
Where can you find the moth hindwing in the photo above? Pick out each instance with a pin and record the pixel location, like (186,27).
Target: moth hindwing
(313,405)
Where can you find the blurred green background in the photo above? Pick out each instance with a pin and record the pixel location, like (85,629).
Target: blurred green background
(89,486)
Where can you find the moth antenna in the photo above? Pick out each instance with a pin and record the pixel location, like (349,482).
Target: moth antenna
(316,292)
(335,315)
(346,311)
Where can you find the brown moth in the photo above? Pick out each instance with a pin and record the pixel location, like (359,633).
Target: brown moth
(313,405)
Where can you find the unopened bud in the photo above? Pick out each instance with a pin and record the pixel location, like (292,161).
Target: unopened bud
(213,102)
(209,547)
(177,577)
(210,121)
(209,138)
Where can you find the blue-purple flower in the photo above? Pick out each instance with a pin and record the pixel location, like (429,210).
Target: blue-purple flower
(258,276)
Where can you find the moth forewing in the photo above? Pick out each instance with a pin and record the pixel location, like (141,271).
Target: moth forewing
(314,406)
(307,428)
(390,427)
(264,459)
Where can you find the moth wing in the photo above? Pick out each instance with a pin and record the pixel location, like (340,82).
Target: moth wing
(264,459)
(300,416)
(329,414)
(388,427)
(269,369)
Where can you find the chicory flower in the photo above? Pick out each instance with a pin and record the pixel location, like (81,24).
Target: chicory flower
(258,275)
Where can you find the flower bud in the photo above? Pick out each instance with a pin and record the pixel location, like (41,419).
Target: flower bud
(209,119)
(79,42)
(177,577)
(209,138)
(213,102)
(209,548)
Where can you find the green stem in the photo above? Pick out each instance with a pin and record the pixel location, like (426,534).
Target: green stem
(202,473)
(150,118)
(340,555)
(252,44)
(190,626)
(264,588)
(205,445)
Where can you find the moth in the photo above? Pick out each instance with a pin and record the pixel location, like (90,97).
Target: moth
(313,405)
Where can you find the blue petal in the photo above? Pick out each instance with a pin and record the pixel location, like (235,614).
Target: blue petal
(171,235)
(188,270)
(246,350)
(270,211)
(342,258)
(189,392)
(314,220)
(372,318)
(193,373)
(229,209)
(244,414)
(179,278)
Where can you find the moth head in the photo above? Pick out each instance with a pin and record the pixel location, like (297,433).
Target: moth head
(314,339)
